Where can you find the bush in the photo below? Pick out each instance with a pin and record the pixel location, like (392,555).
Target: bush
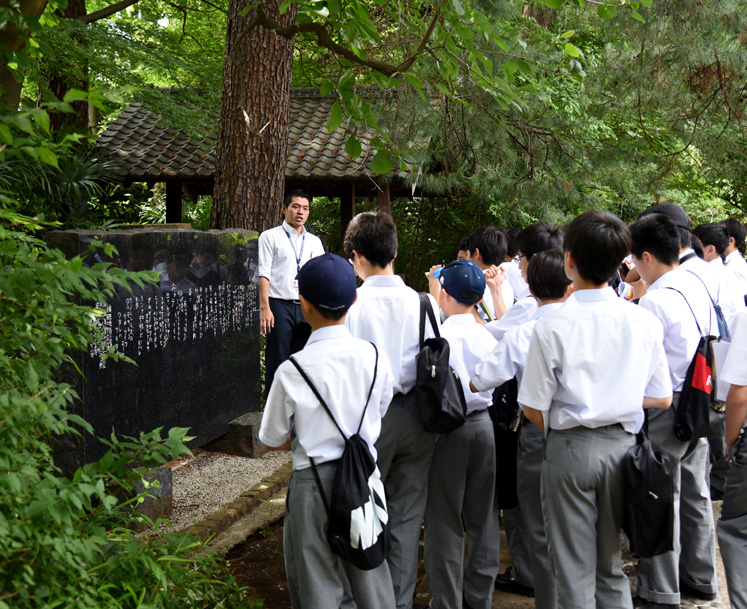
(67,542)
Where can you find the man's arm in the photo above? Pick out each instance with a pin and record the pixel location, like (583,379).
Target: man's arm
(662,403)
(736,411)
(266,318)
(494,277)
(534,417)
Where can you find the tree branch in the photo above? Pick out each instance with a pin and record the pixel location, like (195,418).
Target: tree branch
(324,38)
(108,11)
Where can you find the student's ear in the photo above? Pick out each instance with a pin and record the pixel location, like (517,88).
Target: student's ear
(568,291)
(475,255)
(570,265)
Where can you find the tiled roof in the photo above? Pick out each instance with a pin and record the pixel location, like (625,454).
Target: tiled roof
(150,151)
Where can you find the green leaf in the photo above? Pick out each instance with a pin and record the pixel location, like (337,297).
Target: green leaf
(552,3)
(646,2)
(74,95)
(334,8)
(326,88)
(347,81)
(568,34)
(5,135)
(335,117)
(606,12)
(353,148)
(41,118)
(637,16)
(458,7)
(284,6)
(571,50)
(47,156)
(382,162)
(32,23)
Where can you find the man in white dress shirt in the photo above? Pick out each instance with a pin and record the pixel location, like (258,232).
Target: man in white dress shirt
(283,250)
(733,257)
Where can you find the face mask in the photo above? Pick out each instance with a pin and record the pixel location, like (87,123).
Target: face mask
(160,267)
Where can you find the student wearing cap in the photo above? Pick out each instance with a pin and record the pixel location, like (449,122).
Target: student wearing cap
(282,252)
(342,368)
(461,482)
(732,526)
(387,313)
(549,284)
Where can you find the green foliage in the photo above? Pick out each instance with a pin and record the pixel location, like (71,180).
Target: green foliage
(68,542)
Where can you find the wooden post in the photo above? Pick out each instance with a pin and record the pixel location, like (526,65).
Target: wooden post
(384,200)
(347,207)
(173,202)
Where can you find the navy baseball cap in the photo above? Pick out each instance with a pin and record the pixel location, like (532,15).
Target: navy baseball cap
(674,212)
(461,277)
(328,282)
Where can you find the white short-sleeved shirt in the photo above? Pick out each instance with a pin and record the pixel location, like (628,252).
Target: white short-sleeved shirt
(509,356)
(487,301)
(592,361)
(681,334)
(716,280)
(387,313)
(341,368)
(735,367)
(736,263)
(469,345)
(523,311)
(515,280)
(279,249)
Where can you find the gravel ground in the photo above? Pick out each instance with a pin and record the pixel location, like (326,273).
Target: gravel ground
(207,481)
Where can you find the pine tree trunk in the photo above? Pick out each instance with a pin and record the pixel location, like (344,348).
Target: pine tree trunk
(253,132)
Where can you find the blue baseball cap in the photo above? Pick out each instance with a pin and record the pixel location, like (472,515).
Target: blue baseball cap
(328,282)
(460,277)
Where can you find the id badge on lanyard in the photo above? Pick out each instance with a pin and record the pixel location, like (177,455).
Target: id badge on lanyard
(298,257)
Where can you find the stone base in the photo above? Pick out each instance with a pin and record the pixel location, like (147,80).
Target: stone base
(242,438)
(159,501)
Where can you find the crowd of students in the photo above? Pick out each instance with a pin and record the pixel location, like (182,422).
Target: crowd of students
(597,322)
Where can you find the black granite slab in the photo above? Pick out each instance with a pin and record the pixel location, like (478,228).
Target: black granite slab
(194,337)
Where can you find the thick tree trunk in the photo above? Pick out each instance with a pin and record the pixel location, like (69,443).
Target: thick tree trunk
(254,119)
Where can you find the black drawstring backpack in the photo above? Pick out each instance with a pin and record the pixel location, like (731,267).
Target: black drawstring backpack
(438,390)
(649,499)
(358,529)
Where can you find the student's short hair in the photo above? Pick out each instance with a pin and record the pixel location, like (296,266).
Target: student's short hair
(736,230)
(510,236)
(333,314)
(546,275)
(697,246)
(461,247)
(713,234)
(374,236)
(491,243)
(598,242)
(537,238)
(296,192)
(657,235)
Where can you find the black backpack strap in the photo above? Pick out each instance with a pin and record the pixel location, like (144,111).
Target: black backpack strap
(426,309)
(688,306)
(705,287)
(370,390)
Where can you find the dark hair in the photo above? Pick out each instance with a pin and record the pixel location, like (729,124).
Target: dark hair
(491,243)
(333,314)
(685,236)
(510,236)
(546,275)
(374,236)
(736,230)
(713,234)
(538,238)
(296,192)
(657,235)
(697,246)
(598,242)
(461,247)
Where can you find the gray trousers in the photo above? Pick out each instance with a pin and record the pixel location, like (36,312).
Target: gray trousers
(583,498)
(732,527)
(698,556)
(404,457)
(461,502)
(530,457)
(517,537)
(658,578)
(316,577)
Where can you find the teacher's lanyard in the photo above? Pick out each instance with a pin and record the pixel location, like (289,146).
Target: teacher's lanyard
(300,254)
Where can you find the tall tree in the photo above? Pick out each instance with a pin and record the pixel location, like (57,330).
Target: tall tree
(254,120)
